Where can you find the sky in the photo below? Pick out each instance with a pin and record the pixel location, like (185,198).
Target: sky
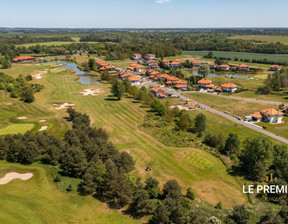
(143,13)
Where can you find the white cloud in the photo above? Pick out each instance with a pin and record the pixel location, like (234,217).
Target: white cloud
(162,1)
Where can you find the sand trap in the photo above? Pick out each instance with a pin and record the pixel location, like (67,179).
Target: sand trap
(13,175)
(22,118)
(41,121)
(39,75)
(43,128)
(8,104)
(63,106)
(87,92)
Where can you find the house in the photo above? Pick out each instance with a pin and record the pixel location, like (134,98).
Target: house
(135,67)
(196,63)
(138,68)
(209,87)
(24,59)
(211,64)
(174,64)
(219,90)
(275,68)
(150,56)
(136,57)
(134,81)
(229,87)
(243,67)
(160,92)
(180,86)
(153,65)
(166,62)
(203,82)
(272,116)
(224,67)
(256,116)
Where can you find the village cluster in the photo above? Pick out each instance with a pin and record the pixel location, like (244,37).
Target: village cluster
(167,82)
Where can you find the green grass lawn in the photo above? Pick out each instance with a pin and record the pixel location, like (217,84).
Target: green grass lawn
(281,96)
(241,55)
(16,128)
(121,119)
(38,200)
(265,38)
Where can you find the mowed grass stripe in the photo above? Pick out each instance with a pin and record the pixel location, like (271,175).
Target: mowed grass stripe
(16,129)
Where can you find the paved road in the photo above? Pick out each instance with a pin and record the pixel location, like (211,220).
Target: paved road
(222,114)
(243,123)
(238,98)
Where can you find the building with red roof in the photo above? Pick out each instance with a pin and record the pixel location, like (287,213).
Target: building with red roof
(24,59)
(229,87)
(243,67)
(224,67)
(269,115)
(203,82)
(275,68)
(196,63)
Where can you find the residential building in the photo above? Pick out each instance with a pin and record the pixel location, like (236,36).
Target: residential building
(203,82)
(136,57)
(272,116)
(150,56)
(160,92)
(224,67)
(243,67)
(275,68)
(196,63)
(229,87)
(211,64)
(134,81)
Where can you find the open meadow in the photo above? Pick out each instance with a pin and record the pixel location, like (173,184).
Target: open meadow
(264,38)
(241,55)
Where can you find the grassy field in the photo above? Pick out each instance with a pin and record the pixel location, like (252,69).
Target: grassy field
(38,200)
(235,107)
(56,43)
(241,55)
(16,128)
(239,108)
(276,96)
(121,119)
(264,38)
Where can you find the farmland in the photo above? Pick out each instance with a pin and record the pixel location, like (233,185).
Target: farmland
(264,38)
(240,55)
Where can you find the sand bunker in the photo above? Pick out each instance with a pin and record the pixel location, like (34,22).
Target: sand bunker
(8,104)
(22,118)
(87,92)
(63,106)
(41,121)
(39,75)
(13,175)
(43,128)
